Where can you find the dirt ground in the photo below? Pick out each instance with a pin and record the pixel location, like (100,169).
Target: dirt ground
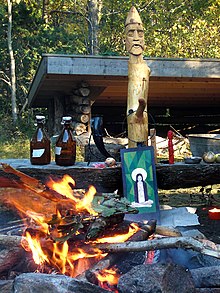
(201,198)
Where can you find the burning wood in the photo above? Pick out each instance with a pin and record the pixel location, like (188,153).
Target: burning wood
(63,217)
(101,271)
(77,232)
(31,183)
(167,231)
(207,247)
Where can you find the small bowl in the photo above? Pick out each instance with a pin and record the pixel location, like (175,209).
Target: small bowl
(193,160)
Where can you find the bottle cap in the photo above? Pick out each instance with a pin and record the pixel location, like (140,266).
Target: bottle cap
(40,118)
(66,119)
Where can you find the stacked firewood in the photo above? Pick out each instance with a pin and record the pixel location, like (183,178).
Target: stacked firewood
(79,107)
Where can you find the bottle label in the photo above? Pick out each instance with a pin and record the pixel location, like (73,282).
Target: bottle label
(58,150)
(37,153)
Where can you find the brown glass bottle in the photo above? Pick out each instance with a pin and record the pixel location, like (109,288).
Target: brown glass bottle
(65,150)
(40,153)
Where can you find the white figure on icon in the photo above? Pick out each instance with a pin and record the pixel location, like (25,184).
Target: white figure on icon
(141,199)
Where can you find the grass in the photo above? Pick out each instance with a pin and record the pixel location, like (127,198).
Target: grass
(15,149)
(20,149)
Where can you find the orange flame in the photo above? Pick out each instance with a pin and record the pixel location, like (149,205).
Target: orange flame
(85,203)
(63,186)
(108,279)
(81,203)
(133,228)
(58,255)
(34,245)
(40,220)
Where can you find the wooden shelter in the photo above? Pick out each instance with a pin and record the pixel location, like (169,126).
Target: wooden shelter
(180,90)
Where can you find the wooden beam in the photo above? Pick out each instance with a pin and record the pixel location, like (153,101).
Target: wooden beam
(178,175)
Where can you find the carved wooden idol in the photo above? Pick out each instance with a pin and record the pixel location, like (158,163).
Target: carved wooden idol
(138,81)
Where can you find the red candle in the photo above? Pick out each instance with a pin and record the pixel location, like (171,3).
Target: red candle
(170,146)
(214,214)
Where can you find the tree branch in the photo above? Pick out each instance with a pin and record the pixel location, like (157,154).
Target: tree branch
(141,107)
(207,247)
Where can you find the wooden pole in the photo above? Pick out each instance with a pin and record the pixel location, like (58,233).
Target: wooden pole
(138,81)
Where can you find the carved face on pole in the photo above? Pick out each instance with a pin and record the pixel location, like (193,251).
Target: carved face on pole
(134,33)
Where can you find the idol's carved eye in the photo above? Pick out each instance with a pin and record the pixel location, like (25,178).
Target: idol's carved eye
(131,33)
(141,33)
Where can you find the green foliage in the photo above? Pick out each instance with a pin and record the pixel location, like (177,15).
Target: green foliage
(173,28)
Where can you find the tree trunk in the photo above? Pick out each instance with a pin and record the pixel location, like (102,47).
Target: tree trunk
(12,60)
(94,8)
(44,11)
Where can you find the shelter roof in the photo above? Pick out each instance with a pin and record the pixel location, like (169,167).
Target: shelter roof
(173,82)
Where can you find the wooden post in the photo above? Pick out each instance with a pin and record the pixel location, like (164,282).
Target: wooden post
(138,81)
(153,142)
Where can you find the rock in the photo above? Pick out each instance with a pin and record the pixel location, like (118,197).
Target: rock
(207,290)
(38,283)
(6,286)
(207,277)
(157,278)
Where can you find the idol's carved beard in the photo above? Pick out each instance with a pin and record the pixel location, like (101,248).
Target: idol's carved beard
(135,47)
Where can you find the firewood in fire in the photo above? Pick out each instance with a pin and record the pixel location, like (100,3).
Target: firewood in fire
(32,184)
(97,227)
(166,242)
(167,231)
(112,258)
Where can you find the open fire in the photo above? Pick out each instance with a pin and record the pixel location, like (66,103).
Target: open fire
(61,231)
(67,238)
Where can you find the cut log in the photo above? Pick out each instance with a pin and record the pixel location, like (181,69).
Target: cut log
(82,91)
(81,109)
(80,118)
(74,99)
(32,184)
(178,175)
(79,128)
(166,231)
(84,84)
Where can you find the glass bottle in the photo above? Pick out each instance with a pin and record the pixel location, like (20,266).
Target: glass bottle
(65,150)
(40,153)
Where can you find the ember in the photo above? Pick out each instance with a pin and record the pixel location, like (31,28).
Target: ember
(108,279)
